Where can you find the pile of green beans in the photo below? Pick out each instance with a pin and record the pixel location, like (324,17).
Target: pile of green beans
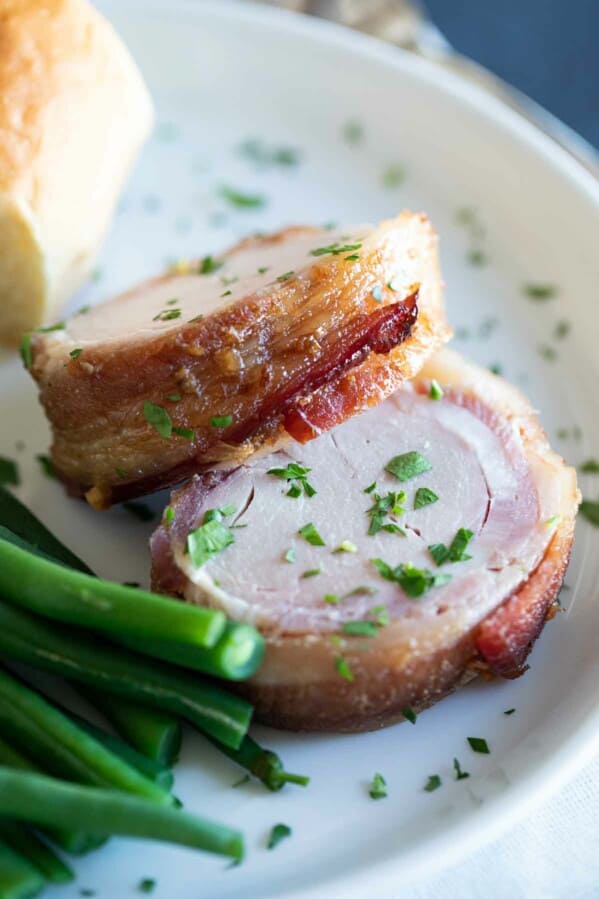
(131,654)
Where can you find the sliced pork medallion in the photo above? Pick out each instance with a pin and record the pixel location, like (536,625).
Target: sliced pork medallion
(283,335)
(388,561)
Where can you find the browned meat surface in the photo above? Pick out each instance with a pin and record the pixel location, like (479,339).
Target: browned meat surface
(283,335)
(470,549)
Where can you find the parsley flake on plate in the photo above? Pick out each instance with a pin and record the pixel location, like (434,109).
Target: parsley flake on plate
(408,465)
(424,496)
(393,176)
(479,744)
(279,832)
(242,200)
(459,774)
(591,466)
(294,473)
(378,787)
(159,418)
(410,715)
(147,885)
(309,533)
(433,783)
(589,509)
(509,711)
(536,291)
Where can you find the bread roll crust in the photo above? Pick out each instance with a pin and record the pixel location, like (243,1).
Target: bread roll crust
(73,113)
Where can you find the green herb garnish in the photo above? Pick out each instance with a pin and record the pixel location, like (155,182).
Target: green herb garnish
(413,581)
(208,265)
(433,783)
(360,628)
(378,787)
(173,397)
(169,515)
(342,668)
(186,433)
(207,541)
(285,276)
(509,711)
(562,329)
(591,466)
(278,833)
(456,551)
(384,506)
(159,419)
(435,391)
(309,533)
(346,546)
(9,472)
(294,473)
(424,496)
(540,291)
(166,315)
(478,744)
(25,350)
(59,326)
(221,421)
(74,354)
(331,599)
(459,774)
(311,572)
(147,885)
(408,466)
(393,176)
(335,249)
(263,157)
(242,200)
(410,715)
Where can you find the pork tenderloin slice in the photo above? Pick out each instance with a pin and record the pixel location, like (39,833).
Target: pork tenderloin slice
(494,474)
(272,339)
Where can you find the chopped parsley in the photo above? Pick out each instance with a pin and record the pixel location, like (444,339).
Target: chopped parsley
(173,397)
(495,369)
(408,466)
(147,885)
(477,256)
(509,711)
(413,581)
(221,421)
(591,466)
(59,326)
(410,715)
(331,599)
(169,515)
(370,487)
(535,291)
(433,783)
(186,433)
(74,354)
(298,476)
(311,572)
(384,506)
(360,628)
(393,176)
(478,744)
(352,132)
(242,200)
(141,511)
(206,541)
(377,293)
(263,156)
(290,555)
(424,496)
(227,293)
(196,318)
(335,249)
(285,276)
(25,350)
(459,774)
(342,668)
(47,466)
(278,833)
(562,329)
(120,473)
(208,265)
(378,787)
(166,315)
(589,509)
(9,472)
(309,533)
(262,269)
(547,352)
(346,546)
(159,419)
(456,551)
(379,613)
(435,391)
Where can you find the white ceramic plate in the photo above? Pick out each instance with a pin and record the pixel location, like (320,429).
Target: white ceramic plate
(223,73)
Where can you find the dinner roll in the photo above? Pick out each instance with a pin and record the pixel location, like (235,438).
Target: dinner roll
(74,112)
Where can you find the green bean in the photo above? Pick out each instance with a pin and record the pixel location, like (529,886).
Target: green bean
(44,801)
(18,878)
(73,654)
(29,845)
(63,749)
(72,841)
(35,583)
(236,656)
(18,518)
(152,732)
(263,764)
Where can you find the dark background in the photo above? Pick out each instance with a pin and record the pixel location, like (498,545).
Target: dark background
(549,49)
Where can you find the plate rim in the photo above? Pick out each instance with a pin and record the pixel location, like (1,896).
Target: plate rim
(531,788)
